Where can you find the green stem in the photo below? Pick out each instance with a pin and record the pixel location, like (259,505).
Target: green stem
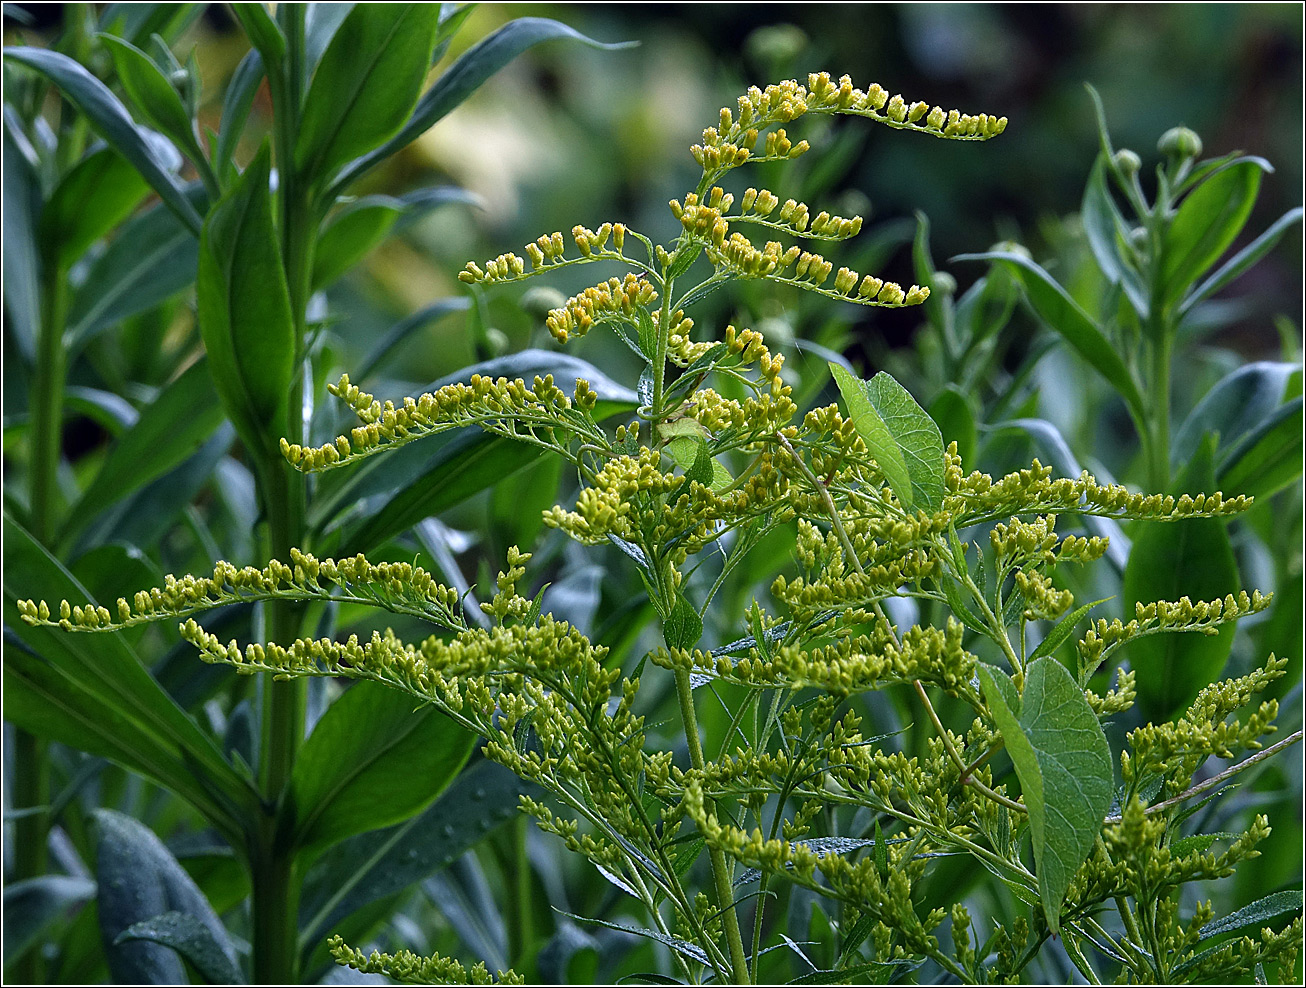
(720,869)
(275,881)
(1159,394)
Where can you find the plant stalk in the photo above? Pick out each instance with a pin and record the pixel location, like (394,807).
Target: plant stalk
(720,869)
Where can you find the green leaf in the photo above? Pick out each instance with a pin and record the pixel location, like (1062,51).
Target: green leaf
(137,22)
(33,905)
(139,880)
(350,234)
(900,435)
(1268,458)
(463,78)
(366,84)
(1108,238)
(401,330)
(152,94)
(1191,557)
(372,761)
(1239,403)
(22,257)
(683,627)
(1207,222)
(1274,904)
(98,194)
(92,691)
(190,938)
(262,31)
(951,410)
(1063,762)
(110,120)
(369,867)
(1242,260)
(153,257)
(692,455)
(244,308)
(170,429)
(1058,310)
(236,104)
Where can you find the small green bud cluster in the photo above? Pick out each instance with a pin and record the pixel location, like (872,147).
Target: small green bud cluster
(398,586)
(510,408)
(409,968)
(795,217)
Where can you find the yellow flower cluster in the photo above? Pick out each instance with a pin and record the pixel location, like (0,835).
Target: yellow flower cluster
(409,968)
(794,217)
(546,253)
(612,299)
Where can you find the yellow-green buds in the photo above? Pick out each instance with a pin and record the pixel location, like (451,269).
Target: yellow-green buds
(1127,162)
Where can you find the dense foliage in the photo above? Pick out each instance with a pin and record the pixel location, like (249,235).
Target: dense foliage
(772,674)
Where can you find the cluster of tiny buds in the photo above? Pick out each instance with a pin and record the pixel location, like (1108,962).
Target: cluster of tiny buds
(548,250)
(703,220)
(758,205)
(788,100)
(811,270)
(614,297)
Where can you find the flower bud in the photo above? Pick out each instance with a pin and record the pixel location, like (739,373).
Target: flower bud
(1127,162)
(1180,143)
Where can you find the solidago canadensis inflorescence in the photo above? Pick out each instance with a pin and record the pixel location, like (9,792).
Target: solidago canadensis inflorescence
(881,509)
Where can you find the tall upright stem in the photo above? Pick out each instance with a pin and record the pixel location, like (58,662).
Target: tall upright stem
(724,895)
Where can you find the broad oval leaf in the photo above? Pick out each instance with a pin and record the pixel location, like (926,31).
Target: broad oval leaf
(350,234)
(900,435)
(366,84)
(372,761)
(1207,222)
(1192,557)
(244,308)
(1063,762)
(110,120)
(139,880)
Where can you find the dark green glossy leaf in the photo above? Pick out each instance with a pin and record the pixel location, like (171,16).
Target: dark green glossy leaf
(369,867)
(190,938)
(350,234)
(32,906)
(1063,762)
(110,120)
(152,94)
(236,104)
(371,762)
(463,78)
(321,22)
(1062,313)
(1206,224)
(137,22)
(366,84)
(1269,457)
(22,256)
(139,880)
(1274,904)
(262,31)
(170,429)
(152,258)
(86,687)
(244,308)
(900,435)
(92,199)
(1194,558)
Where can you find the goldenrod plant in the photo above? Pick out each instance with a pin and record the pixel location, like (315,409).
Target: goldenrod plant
(1014,685)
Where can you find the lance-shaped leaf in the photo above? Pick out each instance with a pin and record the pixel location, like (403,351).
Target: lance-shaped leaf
(98,194)
(22,256)
(110,119)
(900,435)
(244,308)
(1063,762)
(366,84)
(1207,222)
